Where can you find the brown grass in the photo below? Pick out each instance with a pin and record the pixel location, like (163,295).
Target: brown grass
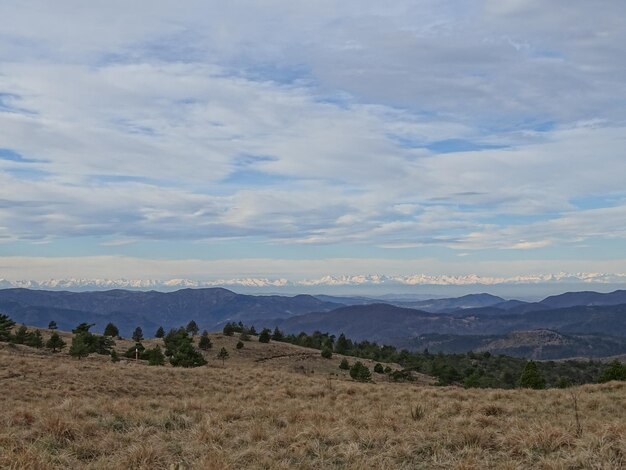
(58,412)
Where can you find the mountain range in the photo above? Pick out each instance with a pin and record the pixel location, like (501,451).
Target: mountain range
(473,321)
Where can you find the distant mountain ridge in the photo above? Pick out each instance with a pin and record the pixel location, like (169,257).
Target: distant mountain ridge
(208,307)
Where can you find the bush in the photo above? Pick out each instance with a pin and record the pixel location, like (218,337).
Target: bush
(360,372)
(327,353)
(34,339)
(154,356)
(378,368)
(187,356)
(344,364)
(205,342)
(239,345)
(114,356)
(135,351)
(265,336)
(615,371)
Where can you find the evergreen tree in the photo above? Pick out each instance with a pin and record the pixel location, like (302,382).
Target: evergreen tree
(52,325)
(277,335)
(6,325)
(154,356)
(378,368)
(34,339)
(360,372)
(531,377)
(135,351)
(244,336)
(265,336)
(239,345)
(82,328)
(344,364)
(160,333)
(111,330)
(79,347)
(327,353)
(137,335)
(341,346)
(229,329)
(205,342)
(223,355)
(187,356)
(55,342)
(192,328)
(252,330)
(20,335)
(615,371)
(114,356)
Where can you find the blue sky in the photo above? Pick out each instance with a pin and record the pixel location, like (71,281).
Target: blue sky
(296,140)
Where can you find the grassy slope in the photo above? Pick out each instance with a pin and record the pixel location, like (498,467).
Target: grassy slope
(58,412)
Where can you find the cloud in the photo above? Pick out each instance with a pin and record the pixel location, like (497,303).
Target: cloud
(428,125)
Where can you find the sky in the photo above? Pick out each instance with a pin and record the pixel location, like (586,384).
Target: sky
(312,140)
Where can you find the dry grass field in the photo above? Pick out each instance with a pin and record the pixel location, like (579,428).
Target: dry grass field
(280,406)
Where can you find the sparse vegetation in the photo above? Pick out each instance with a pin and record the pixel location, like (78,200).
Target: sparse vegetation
(109,416)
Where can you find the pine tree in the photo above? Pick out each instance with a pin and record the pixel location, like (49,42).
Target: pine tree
(187,356)
(154,356)
(6,325)
(244,336)
(252,330)
(79,347)
(137,335)
(192,328)
(205,342)
(265,336)
(531,377)
(55,342)
(223,355)
(277,335)
(341,346)
(160,333)
(378,368)
(327,353)
(111,330)
(239,345)
(34,339)
(20,335)
(114,356)
(52,325)
(229,329)
(344,364)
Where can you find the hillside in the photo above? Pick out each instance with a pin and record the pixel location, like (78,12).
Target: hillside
(535,344)
(278,406)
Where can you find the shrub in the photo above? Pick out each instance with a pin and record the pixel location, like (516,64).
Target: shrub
(344,364)
(360,372)
(135,351)
(327,353)
(265,336)
(154,356)
(52,325)
(378,368)
(615,371)
(187,356)
(244,336)
(205,342)
(34,339)
(223,355)
(239,345)
(114,356)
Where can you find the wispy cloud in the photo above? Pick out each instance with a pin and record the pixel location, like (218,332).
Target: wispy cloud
(303,129)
